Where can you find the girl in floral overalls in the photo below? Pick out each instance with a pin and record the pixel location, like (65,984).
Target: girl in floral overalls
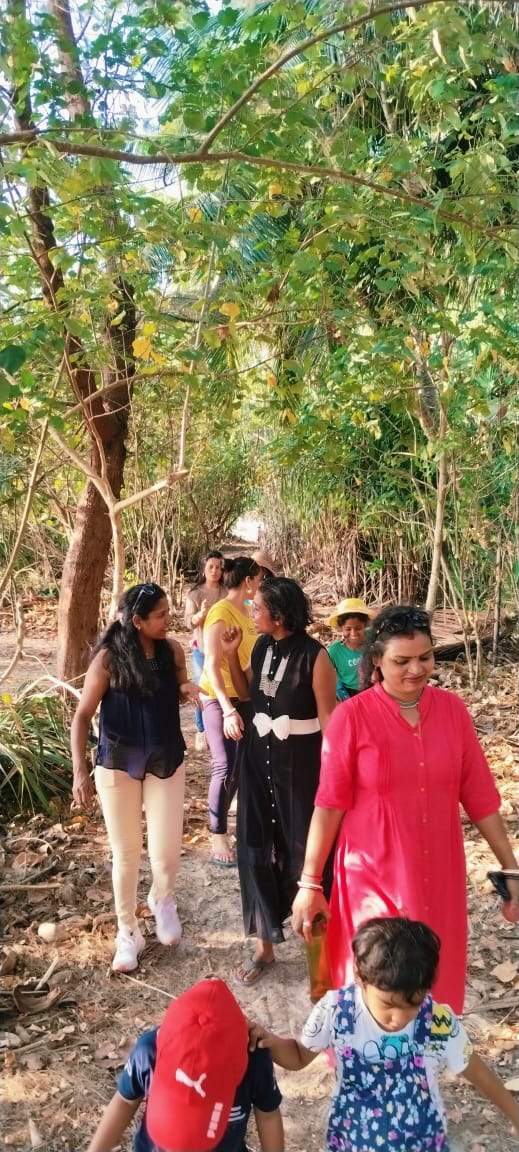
(389,1039)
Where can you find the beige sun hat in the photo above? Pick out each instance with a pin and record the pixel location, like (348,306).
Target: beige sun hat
(353,606)
(264,560)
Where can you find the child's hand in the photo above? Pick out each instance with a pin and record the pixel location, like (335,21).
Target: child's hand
(259,1037)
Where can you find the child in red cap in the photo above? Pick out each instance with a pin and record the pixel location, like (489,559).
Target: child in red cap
(199,1080)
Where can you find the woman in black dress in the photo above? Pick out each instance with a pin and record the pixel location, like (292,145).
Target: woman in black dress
(293,695)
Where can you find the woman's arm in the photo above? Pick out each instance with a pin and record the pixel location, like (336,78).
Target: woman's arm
(97,682)
(488,1084)
(114,1122)
(214,657)
(187,690)
(493,830)
(270,1130)
(323,830)
(195,616)
(324,684)
(241,677)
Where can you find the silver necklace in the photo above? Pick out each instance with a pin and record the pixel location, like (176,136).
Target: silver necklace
(410,704)
(268,685)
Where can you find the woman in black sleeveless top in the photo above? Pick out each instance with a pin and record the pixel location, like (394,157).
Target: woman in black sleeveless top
(137,676)
(292,693)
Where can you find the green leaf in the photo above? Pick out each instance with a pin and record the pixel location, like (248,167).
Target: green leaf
(12,356)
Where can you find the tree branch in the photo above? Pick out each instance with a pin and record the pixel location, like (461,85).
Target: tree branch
(303,46)
(335,174)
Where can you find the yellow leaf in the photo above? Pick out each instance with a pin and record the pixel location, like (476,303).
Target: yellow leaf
(194,214)
(141,347)
(230,309)
(149,328)
(275,190)
(25,404)
(7,440)
(271,380)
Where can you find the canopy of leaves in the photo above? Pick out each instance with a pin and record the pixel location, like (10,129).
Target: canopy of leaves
(314,205)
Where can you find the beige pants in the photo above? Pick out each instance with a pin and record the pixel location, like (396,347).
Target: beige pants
(122,800)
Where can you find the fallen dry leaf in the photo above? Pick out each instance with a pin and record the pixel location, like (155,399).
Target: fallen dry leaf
(505,972)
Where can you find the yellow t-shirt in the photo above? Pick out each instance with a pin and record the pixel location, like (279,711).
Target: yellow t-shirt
(232,617)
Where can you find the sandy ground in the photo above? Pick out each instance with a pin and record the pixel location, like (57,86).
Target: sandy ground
(60,1069)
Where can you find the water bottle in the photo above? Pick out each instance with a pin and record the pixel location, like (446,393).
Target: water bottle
(318,959)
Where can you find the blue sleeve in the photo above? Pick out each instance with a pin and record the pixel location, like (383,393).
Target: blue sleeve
(265,1093)
(136,1076)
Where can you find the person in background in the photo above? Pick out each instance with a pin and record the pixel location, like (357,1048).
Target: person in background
(198,1081)
(225,712)
(266,563)
(206,592)
(397,762)
(292,693)
(389,1039)
(138,677)
(350,618)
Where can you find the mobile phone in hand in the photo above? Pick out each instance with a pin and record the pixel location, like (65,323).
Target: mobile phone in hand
(498,881)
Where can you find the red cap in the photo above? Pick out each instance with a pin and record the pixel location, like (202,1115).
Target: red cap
(202,1057)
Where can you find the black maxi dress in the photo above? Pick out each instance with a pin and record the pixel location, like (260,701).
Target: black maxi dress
(278,782)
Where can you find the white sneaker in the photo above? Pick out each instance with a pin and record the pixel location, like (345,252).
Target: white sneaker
(168,928)
(129,946)
(200,742)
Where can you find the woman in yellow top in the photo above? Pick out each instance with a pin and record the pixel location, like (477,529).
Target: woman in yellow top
(225,714)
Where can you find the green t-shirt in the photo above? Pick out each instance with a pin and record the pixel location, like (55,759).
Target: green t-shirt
(346,663)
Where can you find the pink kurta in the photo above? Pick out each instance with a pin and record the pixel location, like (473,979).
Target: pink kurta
(400,845)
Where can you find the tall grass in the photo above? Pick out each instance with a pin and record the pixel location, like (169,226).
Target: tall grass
(35,764)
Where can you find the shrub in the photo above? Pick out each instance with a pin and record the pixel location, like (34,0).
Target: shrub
(35,763)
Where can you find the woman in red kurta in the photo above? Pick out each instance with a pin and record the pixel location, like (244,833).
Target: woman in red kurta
(397,762)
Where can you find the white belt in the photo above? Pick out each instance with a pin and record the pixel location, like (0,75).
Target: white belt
(283,727)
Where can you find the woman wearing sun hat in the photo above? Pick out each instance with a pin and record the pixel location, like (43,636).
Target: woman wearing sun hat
(266,563)
(350,618)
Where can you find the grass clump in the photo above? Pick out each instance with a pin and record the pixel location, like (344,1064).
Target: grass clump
(35,763)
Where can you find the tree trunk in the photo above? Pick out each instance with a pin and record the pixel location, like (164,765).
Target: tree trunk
(437,548)
(84,569)
(105,417)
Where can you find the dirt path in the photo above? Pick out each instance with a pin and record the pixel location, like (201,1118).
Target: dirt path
(62,1071)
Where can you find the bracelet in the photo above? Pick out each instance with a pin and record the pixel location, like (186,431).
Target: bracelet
(309,887)
(310,876)
(231,713)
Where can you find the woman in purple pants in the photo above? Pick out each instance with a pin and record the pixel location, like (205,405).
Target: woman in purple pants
(224,713)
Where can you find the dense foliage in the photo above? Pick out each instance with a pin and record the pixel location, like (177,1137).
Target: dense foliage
(274,243)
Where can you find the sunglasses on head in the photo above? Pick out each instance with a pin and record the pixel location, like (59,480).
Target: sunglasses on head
(146,590)
(411,617)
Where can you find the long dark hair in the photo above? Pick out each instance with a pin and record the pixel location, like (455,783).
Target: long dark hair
(237,569)
(397,620)
(213,554)
(128,665)
(286,602)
